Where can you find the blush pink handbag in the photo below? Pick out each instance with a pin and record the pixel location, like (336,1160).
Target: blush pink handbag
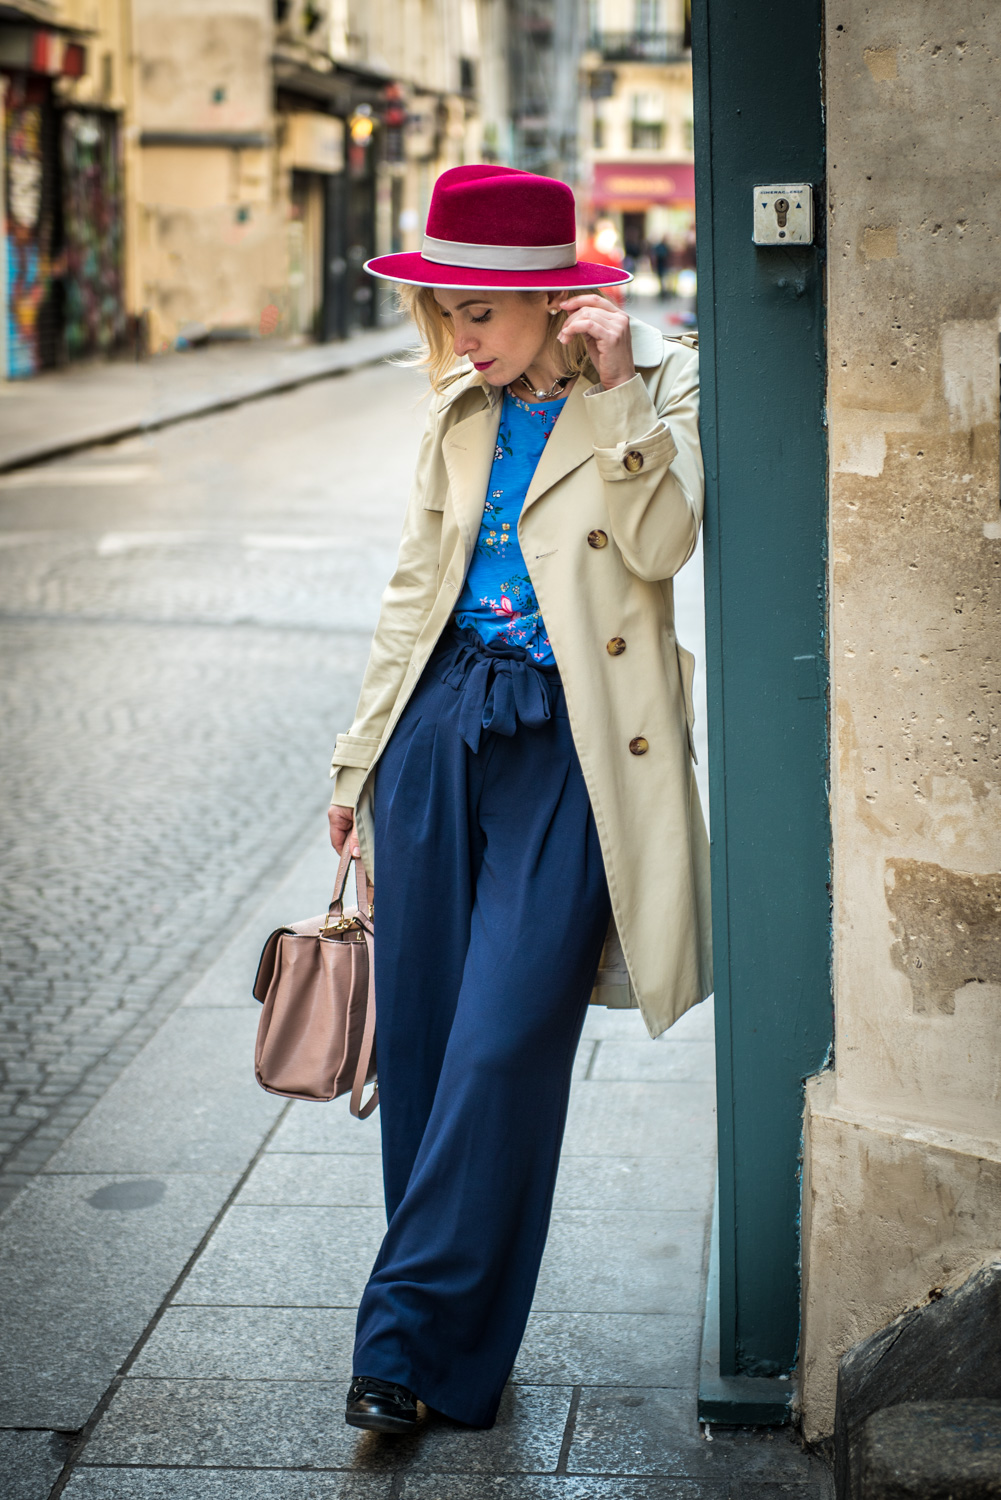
(316,1036)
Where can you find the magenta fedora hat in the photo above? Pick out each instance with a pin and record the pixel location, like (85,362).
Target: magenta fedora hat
(497,227)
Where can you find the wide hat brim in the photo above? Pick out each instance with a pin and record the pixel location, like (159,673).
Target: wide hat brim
(412,268)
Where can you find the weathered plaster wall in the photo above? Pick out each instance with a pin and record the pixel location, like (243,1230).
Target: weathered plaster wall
(212,216)
(912,1115)
(204,64)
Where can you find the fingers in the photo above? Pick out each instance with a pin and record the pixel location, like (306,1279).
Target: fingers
(591,299)
(594,326)
(594,317)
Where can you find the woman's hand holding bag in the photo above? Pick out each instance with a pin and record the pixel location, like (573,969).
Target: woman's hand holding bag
(342,826)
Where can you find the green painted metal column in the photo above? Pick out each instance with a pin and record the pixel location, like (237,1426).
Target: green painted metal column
(758,120)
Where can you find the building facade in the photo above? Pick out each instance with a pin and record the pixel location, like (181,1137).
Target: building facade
(544,42)
(636,123)
(191,170)
(435,63)
(324,131)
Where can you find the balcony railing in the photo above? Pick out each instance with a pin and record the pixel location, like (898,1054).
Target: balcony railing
(639,46)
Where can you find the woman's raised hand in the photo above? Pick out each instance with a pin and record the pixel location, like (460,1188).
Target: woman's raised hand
(342,826)
(606,332)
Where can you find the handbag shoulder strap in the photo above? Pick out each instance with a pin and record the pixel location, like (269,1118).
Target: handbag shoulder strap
(364,1065)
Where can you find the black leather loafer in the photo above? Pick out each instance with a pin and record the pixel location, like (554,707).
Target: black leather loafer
(380,1406)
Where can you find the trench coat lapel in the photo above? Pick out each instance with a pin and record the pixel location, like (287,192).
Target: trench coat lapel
(468,449)
(569,445)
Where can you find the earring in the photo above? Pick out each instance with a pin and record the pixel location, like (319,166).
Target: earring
(553,311)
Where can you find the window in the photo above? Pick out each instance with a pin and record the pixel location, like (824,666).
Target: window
(598,133)
(649,106)
(647,135)
(647,128)
(688,135)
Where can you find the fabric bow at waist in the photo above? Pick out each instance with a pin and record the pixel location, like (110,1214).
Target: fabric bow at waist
(501,686)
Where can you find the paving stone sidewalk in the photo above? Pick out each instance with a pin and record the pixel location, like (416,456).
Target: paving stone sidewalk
(183,1278)
(67,410)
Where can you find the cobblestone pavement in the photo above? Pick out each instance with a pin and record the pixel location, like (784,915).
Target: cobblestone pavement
(183,623)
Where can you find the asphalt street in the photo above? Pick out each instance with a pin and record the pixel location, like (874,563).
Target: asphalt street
(183,623)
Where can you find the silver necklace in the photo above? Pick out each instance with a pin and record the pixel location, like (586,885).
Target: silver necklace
(558,385)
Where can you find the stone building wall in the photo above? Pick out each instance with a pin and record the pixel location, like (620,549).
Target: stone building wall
(209,224)
(902,1179)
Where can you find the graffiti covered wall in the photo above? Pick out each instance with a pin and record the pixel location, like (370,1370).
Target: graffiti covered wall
(93,310)
(29,232)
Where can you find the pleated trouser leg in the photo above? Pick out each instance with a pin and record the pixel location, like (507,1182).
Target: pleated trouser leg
(491,909)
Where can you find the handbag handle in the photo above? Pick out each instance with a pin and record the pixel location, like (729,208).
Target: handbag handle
(363,889)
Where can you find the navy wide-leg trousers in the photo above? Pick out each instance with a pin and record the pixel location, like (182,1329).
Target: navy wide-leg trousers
(492,907)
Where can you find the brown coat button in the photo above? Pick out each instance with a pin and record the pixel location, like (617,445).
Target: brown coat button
(616,646)
(638,746)
(633,461)
(597,539)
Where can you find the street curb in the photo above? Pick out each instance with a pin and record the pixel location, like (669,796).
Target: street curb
(113,433)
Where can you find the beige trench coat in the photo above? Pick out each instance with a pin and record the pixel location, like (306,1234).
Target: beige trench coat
(612,513)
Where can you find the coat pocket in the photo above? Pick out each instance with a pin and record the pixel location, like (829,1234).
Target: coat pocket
(686,667)
(434,498)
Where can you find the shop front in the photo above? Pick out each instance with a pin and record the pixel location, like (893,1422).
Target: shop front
(652,202)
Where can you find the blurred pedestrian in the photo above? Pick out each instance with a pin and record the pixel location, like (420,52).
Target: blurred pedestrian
(632,251)
(660,254)
(518,774)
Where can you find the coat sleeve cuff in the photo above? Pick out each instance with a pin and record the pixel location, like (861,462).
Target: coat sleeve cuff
(627,408)
(353,755)
(348,782)
(353,750)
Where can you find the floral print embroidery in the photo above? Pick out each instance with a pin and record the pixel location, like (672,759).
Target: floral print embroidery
(497,599)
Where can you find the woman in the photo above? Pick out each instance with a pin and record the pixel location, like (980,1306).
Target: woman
(519,769)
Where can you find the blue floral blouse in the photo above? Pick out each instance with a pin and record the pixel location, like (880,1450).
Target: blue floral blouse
(497,599)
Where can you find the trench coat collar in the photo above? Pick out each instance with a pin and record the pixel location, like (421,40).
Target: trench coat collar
(648,351)
(468,445)
(468,449)
(648,344)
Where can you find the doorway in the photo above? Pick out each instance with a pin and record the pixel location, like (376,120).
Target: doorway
(306,252)
(759,120)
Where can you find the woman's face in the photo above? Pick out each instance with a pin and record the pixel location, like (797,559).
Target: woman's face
(502,332)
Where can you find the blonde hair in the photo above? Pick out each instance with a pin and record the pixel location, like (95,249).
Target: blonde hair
(437,356)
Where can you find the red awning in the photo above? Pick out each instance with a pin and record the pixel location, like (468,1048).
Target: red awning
(633,186)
